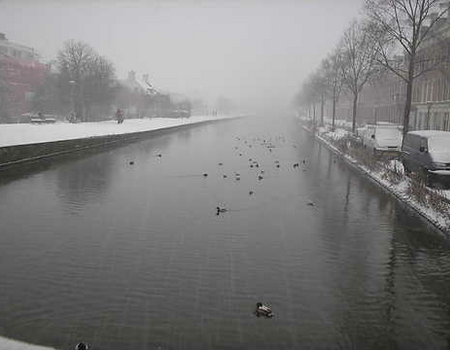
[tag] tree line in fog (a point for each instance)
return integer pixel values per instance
(83, 83)
(399, 38)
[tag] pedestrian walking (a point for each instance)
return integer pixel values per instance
(119, 116)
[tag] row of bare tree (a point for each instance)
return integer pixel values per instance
(83, 82)
(370, 48)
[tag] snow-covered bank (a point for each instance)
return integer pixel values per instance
(9, 344)
(22, 134)
(391, 177)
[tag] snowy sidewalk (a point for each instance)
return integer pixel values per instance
(8, 344)
(22, 134)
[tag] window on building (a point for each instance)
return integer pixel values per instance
(429, 90)
(446, 122)
(3, 49)
(29, 95)
(437, 90)
(444, 89)
(424, 91)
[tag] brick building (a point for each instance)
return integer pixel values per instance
(20, 74)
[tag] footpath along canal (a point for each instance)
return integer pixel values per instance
(123, 248)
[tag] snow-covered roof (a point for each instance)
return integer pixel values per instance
(135, 83)
(429, 133)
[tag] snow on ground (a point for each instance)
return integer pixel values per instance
(337, 134)
(21, 134)
(8, 344)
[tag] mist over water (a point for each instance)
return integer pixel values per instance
(257, 53)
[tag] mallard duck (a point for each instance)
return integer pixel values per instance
(220, 210)
(81, 346)
(263, 310)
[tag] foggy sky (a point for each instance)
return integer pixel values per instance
(254, 52)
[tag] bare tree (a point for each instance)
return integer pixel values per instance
(75, 63)
(99, 87)
(317, 91)
(332, 72)
(86, 80)
(358, 61)
(405, 25)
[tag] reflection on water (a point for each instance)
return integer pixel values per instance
(79, 184)
(145, 263)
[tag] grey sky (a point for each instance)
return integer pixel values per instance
(255, 52)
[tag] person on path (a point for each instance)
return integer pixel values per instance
(119, 116)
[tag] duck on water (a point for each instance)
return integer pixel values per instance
(263, 310)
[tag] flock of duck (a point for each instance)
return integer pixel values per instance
(270, 146)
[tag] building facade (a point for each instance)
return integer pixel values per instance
(21, 73)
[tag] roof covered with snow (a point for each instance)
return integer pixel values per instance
(429, 133)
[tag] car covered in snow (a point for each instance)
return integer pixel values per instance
(382, 137)
(427, 152)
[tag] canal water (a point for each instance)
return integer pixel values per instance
(133, 256)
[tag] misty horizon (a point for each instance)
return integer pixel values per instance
(256, 54)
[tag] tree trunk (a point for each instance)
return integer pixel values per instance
(314, 114)
(334, 113)
(408, 99)
(322, 103)
(355, 104)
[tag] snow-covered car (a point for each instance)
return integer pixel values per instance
(427, 152)
(382, 137)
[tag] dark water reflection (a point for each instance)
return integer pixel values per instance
(134, 257)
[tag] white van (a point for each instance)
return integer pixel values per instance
(383, 137)
(427, 152)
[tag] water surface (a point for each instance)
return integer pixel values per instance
(134, 256)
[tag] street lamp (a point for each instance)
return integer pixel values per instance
(72, 84)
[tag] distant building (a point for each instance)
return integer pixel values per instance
(141, 100)
(20, 74)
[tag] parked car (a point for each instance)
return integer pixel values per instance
(427, 152)
(382, 138)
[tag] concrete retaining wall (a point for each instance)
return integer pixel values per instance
(14, 155)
